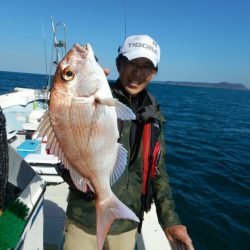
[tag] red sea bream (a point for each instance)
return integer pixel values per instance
(81, 126)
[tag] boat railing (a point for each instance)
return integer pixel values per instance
(59, 46)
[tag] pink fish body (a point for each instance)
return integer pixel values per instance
(81, 127)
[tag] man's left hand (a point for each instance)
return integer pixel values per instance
(178, 235)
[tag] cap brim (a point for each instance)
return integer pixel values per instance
(132, 55)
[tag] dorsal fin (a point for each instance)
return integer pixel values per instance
(45, 129)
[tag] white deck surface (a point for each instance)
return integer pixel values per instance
(55, 203)
(152, 236)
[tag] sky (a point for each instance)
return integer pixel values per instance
(200, 40)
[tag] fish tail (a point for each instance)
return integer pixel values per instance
(106, 212)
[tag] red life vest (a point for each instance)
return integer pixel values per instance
(151, 153)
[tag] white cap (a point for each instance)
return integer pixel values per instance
(141, 46)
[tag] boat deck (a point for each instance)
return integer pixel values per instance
(55, 203)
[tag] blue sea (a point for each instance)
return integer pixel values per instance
(207, 132)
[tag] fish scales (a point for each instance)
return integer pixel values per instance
(94, 144)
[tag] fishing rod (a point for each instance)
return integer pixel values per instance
(45, 51)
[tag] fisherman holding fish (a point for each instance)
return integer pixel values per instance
(111, 147)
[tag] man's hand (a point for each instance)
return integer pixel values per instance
(177, 235)
(106, 71)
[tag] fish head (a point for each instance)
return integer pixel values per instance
(78, 74)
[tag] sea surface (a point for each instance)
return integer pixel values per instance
(207, 132)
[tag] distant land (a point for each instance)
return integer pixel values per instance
(222, 85)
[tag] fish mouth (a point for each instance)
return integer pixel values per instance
(85, 46)
(83, 49)
(86, 50)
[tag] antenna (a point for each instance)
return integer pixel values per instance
(125, 19)
(58, 46)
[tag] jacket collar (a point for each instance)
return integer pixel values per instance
(147, 107)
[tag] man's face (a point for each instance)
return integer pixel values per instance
(136, 74)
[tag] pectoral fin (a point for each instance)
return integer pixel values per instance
(123, 112)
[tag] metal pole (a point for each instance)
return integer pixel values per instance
(125, 19)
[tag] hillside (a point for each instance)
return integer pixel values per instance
(224, 85)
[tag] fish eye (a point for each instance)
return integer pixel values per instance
(68, 73)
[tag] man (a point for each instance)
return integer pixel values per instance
(145, 178)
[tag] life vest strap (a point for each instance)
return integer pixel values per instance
(155, 158)
(145, 154)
